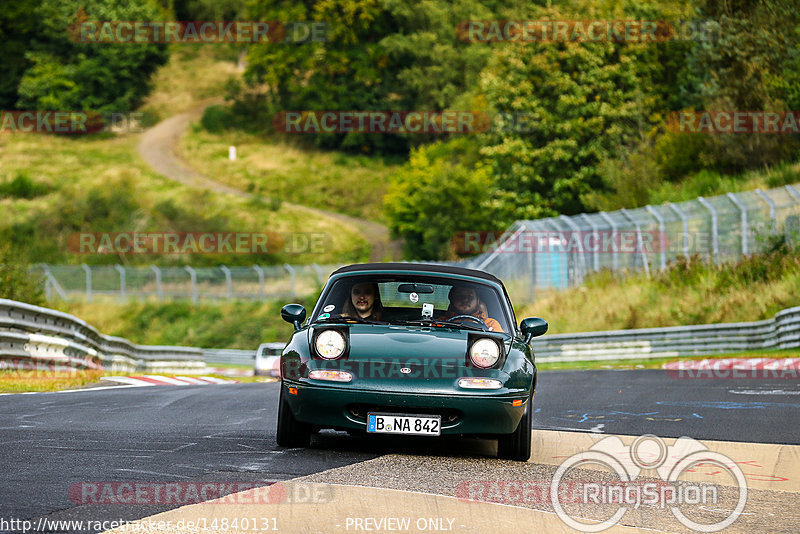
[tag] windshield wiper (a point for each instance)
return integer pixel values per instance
(341, 319)
(432, 322)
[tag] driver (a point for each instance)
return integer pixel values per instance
(464, 301)
(364, 302)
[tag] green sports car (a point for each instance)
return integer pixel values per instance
(410, 349)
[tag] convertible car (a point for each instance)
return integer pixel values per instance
(410, 349)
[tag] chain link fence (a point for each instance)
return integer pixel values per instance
(192, 283)
(544, 254)
(559, 252)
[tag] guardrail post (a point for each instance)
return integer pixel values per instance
(793, 192)
(51, 282)
(743, 211)
(595, 255)
(193, 277)
(661, 235)
(228, 281)
(614, 235)
(292, 274)
(639, 244)
(714, 228)
(261, 293)
(497, 247)
(318, 270)
(88, 272)
(122, 290)
(685, 221)
(796, 196)
(582, 270)
(159, 290)
(771, 204)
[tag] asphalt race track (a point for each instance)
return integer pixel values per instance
(53, 443)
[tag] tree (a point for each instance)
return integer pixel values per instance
(439, 194)
(63, 73)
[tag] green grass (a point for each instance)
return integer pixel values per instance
(21, 381)
(710, 183)
(44, 381)
(193, 74)
(349, 184)
(98, 183)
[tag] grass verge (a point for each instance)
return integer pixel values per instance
(98, 183)
(45, 381)
(349, 184)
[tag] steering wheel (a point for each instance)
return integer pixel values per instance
(480, 322)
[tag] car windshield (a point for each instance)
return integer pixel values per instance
(411, 299)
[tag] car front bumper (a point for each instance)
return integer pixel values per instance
(478, 412)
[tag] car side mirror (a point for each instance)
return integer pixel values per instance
(294, 314)
(533, 327)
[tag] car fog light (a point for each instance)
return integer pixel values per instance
(479, 383)
(333, 376)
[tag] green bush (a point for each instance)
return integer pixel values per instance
(22, 187)
(17, 282)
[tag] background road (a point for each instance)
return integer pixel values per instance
(226, 433)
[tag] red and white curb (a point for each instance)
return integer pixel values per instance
(155, 380)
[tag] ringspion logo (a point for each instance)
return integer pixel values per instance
(621, 490)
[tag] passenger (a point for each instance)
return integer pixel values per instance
(364, 302)
(464, 301)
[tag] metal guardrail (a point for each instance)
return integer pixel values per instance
(242, 357)
(37, 337)
(230, 356)
(40, 336)
(781, 332)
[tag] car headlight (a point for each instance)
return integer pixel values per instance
(484, 353)
(330, 344)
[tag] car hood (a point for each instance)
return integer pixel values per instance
(411, 344)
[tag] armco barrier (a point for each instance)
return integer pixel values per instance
(40, 337)
(781, 332)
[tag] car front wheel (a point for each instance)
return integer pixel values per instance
(517, 445)
(291, 432)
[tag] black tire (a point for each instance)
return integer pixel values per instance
(517, 445)
(291, 432)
